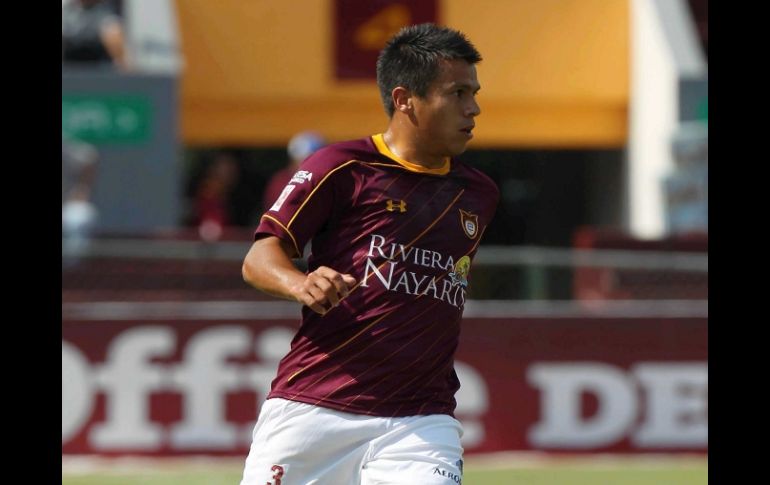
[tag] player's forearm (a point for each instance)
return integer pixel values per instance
(268, 268)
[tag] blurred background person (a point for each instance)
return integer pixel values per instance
(92, 33)
(79, 215)
(301, 146)
(212, 201)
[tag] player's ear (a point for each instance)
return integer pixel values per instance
(402, 99)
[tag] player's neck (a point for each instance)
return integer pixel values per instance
(404, 144)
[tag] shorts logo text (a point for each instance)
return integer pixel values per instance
(452, 476)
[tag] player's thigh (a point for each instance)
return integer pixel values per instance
(294, 443)
(428, 452)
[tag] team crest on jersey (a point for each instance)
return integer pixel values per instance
(470, 223)
(460, 274)
(301, 176)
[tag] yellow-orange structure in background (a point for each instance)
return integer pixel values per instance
(555, 73)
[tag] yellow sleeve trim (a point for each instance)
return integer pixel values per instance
(379, 142)
(299, 253)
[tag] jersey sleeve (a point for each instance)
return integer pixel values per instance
(307, 201)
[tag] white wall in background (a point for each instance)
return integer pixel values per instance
(664, 48)
(152, 35)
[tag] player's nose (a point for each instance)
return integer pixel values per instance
(473, 108)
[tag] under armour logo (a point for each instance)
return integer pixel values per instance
(393, 206)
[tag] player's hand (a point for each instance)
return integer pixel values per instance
(323, 289)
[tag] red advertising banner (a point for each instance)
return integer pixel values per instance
(194, 386)
(362, 28)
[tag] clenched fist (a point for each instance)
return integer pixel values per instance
(323, 289)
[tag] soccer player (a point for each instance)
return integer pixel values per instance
(366, 393)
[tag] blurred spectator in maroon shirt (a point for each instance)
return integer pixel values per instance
(301, 146)
(212, 198)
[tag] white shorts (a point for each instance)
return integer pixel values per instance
(299, 444)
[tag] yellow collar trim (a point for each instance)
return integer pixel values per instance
(379, 142)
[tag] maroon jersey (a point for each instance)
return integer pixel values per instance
(408, 234)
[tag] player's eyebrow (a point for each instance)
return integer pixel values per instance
(461, 85)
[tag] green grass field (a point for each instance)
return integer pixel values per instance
(583, 472)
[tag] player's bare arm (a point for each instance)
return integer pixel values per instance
(268, 267)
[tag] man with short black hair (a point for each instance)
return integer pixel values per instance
(366, 393)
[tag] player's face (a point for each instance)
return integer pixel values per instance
(445, 116)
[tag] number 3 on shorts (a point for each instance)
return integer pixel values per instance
(277, 474)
